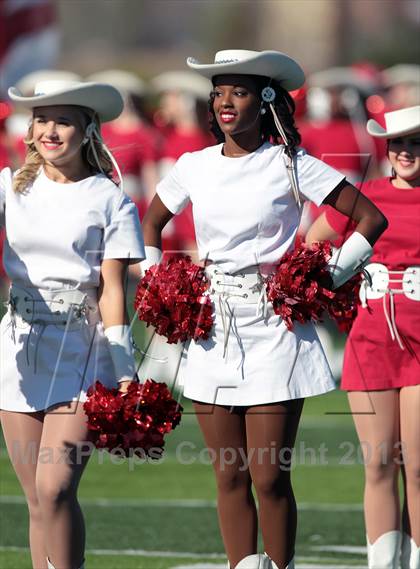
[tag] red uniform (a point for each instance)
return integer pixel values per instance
(373, 360)
(131, 148)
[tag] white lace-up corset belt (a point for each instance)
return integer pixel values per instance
(387, 283)
(69, 309)
(246, 287)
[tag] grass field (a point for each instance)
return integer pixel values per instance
(161, 515)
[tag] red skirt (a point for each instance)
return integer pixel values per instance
(372, 359)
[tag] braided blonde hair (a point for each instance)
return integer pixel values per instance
(26, 175)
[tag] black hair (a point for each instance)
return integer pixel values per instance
(284, 106)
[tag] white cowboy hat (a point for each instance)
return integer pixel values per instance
(273, 64)
(341, 77)
(104, 99)
(122, 80)
(402, 73)
(398, 123)
(184, 81)
(26, 84)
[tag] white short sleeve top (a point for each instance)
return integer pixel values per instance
(244, 210)
(58, 234)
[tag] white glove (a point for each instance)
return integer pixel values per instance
(121, 350)
(153, 257)
(350, 259)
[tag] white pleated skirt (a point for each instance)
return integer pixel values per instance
(43, 366)
(263, 361)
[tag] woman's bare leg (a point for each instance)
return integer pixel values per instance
(376, 416)
(225, 437)
(271, 432)
(410, 441)
(65, 435)
(22, 432)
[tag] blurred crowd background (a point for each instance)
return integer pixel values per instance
(360, 56)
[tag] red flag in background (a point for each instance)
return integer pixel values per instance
(29, 39)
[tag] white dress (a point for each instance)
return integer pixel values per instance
(56, 238)
(245, 215)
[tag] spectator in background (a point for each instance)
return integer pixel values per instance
(402, 83)
(182, 117)
(131, 137)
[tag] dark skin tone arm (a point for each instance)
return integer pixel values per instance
(157, 216)
(347, 199)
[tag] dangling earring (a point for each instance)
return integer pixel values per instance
(263, 111)
(393, 173)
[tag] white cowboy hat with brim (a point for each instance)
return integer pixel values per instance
(272, 64)
(182, 81)
(105, 100)
(26, 84)
(401, 73)
(398, 123)
(124, 81)
(341, 77)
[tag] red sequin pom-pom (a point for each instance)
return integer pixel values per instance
(171, 297)
(297, 288)
(135, 421)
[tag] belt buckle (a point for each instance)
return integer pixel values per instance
(411, 283)
(379, 278)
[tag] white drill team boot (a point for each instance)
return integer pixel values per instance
(256, 561)
(51, 566)
(410, 553)
(384, 553)
(273, 565)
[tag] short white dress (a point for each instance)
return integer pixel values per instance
(56, 238)
(245, 216)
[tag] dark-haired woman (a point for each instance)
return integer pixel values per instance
(249, 380)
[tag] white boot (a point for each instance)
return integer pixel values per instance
(257, 561)
(51, 566)
(410, 553)
(385, 552)
(275, 566)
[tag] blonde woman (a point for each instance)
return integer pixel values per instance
(70, 234)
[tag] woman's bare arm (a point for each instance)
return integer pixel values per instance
(157, 216)
(320, 230)
(111, 296)
(347, 199)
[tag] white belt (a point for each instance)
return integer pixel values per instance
(383, 285)
(241, 288)
(68, 308)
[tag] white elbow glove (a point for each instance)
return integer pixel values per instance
(350, 259)
(121, 350)
(153, 257)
